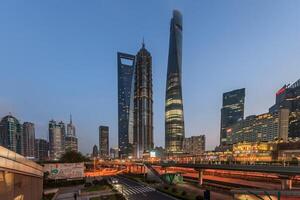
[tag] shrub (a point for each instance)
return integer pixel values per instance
(166, 187)
(183, 193)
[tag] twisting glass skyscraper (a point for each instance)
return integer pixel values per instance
(174, 120)
(143, 109)
(126, 63)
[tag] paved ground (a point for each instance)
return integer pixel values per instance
(136, 191)
(67, 193)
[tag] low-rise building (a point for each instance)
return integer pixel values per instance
(194, 145)
(260, 128)
(254, 151)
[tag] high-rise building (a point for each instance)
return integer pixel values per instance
(71, 141)
(95, 151)
(232, 111)
(28, 139)
(143, 104)
(260, 128)
(11, 134)
(194, 145)
(174, 119)
(104, 141)
(41, 149)
(289, 97)
(126, 64)
(56, 139)
(71, 130)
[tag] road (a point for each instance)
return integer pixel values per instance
(133, 190)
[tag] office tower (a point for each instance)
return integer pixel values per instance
(174, 119)
(126, 65)
(232, 111)
(71, 141)
(289, 97)
(41, 150)
(104, 141)
(194, 145)
(63, 131)
(28, 139)
(11, 134)
(56, 139)
(95, 151)
(143, 109)
(260, 128)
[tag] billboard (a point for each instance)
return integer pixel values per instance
(64, 170)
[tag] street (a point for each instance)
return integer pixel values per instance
(133, 190)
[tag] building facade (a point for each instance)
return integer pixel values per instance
(143, 104)
(41, 150)
(254, 151)
(194, 145)
(174, 118)
(260, 128)
(232, 111)
(71, 141)
(11, 134)
(289, 97)
(28, 139)
(104, 141)
(126, 65)
(56, 139)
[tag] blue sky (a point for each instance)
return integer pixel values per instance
(59, 57)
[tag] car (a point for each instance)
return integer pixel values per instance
(114, 181)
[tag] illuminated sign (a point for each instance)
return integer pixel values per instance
(64, 170)
(282, 90)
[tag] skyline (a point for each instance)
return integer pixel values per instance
(267, 58)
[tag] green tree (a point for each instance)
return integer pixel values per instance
(73, 157)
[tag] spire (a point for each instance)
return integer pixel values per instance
(143, 43)
(70, 118)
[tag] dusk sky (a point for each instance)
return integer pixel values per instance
(60, 57)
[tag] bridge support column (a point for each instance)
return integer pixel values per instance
(200, 176)
(286, 184)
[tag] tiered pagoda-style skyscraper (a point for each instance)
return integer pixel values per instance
(143, 103)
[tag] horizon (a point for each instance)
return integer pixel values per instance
(61, 60)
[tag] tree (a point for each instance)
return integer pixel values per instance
(73, 157)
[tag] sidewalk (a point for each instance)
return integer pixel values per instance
(189, 188)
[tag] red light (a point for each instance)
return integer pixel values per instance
(282, 90)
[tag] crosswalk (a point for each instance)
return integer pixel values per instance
(134, 190)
